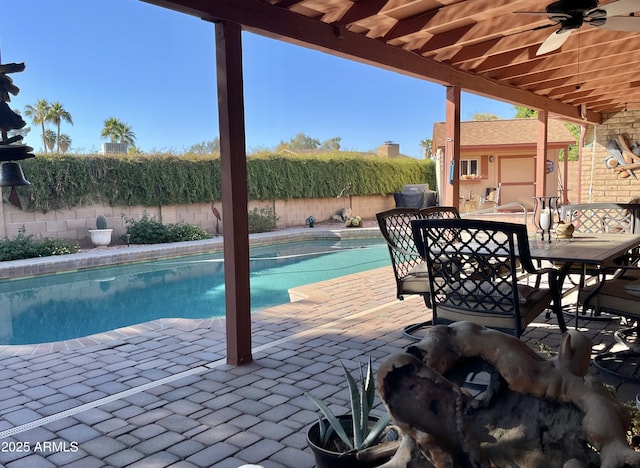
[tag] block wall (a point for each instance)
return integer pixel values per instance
(598, 183)
(73, 224)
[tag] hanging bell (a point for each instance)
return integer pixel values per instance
(11, 175)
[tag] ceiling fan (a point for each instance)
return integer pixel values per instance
(570, 15)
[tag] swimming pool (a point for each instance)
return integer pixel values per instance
(71, 305)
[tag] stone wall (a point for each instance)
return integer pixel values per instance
(73, 224)
(600, 184)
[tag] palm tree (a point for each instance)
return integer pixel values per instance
(50, 138)
(126, 135)
(109, 129)
(57, 113)
(38, 115)
(64, 142)
(118, 131)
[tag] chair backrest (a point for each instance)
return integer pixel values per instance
(603, 217)
(473, 268)
(395, 226)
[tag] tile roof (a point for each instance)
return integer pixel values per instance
(503, 132)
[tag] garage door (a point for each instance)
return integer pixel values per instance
(517, 174)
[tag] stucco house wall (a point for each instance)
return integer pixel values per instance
(506, 152)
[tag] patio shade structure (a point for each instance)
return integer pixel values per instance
(486, 47)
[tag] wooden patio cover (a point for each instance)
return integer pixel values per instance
(478, 46)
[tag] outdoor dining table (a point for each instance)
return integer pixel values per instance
(593, 249)
(583, 250)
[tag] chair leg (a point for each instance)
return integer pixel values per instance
(557, 309)
(409, 330)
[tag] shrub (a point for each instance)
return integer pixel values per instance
(24, 246)
(262, 219)
(59, 181)
(187, 232)
(149, 230)
(51, 246)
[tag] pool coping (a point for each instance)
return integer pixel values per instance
(102, 257)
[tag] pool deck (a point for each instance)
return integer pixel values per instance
(161, 394)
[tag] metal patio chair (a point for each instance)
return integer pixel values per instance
(612, 218)
(617, 293)
(409, 269)
(474, 270)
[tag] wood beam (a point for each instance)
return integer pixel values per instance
(260, 17)
(233, 172)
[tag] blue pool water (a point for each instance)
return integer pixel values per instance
(71, 305)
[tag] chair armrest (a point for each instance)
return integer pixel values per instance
(405, 252)
(544, 271)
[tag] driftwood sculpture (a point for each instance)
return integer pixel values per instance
(531, 412)
(622, 159)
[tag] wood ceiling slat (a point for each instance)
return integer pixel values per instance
(617, 101)
(285, 3)
(361, 10)
(594, 65)
(478, 32)
(406, 28)
(565, 92)
(588, 40)
(550, 86)
(446, 39)
(496, 47)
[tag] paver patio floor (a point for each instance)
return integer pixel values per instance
(161, 394)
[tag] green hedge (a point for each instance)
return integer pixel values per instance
(66, 181)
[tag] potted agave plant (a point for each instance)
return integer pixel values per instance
(101, 236)
(352, 440)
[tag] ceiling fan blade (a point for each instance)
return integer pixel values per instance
(554, 41)
(620, 7)
(555, 17)
(540, 13)
(622, 23)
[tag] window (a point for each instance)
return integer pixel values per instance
(469, 168)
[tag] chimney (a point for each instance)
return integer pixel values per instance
(389, 149)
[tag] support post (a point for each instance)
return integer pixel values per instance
(541, 154)
(451, 169)
(233, 172)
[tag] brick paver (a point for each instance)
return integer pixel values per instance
(219, 416)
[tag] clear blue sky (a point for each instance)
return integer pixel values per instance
(155, 70)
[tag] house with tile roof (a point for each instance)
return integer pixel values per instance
(498, 157)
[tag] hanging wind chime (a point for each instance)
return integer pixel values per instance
(11, 150)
